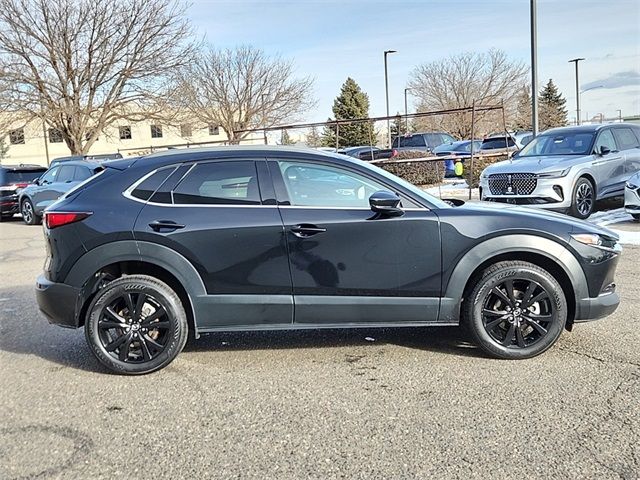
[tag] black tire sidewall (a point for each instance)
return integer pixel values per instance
(486, 283)
(161, 293)
(34, 217)
(573, 210)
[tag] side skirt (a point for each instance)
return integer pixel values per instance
(321, 326)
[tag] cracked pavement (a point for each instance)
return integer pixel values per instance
(412, 403)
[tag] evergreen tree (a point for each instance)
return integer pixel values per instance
(286, 139)
(552, 107)
(350, 104)
(523, 112)
(313, 138)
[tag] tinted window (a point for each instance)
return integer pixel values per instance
(219, 183)
(325, 186)
(491, 143)
(66, 174)
(151, 184)
(446, 138)
(50, 175)
(20, 176)
(605, 139)
(626, 138)
(163, 194)
(82, 173)
(411, 141)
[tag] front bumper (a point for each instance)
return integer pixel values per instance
(8, 205)
(549, 193)
(59, 302)
(594, 308)
(632, 201)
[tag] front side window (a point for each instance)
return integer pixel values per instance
(156, 131)
(222, 183)
(312, 185)
(67, 172)
(605, 139)
(16, 137)
(49, 176)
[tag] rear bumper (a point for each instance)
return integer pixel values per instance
(59, 302)
(8, 206)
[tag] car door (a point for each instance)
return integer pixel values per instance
(609, 168)
(224, 220)
(629, 145)
(45, 193)
(349, 265)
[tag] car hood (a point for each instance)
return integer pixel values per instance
(532, 216)
(534, 164)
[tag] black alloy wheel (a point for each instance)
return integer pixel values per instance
(136, 324)
(28, 212)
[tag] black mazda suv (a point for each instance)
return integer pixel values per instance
(256, 238)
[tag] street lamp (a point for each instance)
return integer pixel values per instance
(534, 67)
(619, 115)
(576, 61)
(386, 89)
(406, 112)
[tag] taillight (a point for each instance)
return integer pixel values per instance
(394, 153)
(58, 219)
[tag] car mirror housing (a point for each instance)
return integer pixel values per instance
(386, 203)
(604, 150)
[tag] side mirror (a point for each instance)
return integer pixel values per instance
(516, 154)
(36, 181)
(386, 203)
(604, 150)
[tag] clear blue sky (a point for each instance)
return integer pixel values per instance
(331, 40)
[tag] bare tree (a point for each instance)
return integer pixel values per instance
(241, 88)
(83, 65)
(458, 80)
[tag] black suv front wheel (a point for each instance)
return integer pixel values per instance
(515, 310)
(136, 324)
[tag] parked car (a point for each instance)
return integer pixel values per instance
(632, 196)
(513, 141)
(259, 238)
(13, 178)
(567, 169)
(421, 141)
(356, 151)
(55, 182)
(101, 157)
(460, 149)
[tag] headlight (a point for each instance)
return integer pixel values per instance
(598, 241)
(632, 186)
(483, 175)
(554, 174)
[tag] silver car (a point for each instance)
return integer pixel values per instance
(567, 169)
(632, 196)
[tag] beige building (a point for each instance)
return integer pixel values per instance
(31, 144)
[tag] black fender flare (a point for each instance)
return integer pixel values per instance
(131, 250)
(520, 243)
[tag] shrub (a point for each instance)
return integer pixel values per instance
(418, 173)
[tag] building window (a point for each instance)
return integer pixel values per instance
(16, 137)
(156, 131)
(55, 135)
(125, 132)
(214, 130)
(185, 130)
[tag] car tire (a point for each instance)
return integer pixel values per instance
(28, 212)
(136, 325)
(515, 310)
(583, 199)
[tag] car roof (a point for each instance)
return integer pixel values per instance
(80, 163)
(23, 166)
(579, 128)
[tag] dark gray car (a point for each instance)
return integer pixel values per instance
(54, 183)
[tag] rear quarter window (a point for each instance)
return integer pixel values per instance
(149, 185)
(625, 138)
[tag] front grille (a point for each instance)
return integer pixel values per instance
(512, 183)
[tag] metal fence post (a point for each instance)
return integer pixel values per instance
(473, 130)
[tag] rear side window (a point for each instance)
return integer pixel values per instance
(82, 173)
(491, 143)
(625, 138)
(146, 188)
(223, 183)
(410, 141)
(66, 173)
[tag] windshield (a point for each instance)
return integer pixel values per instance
(409, 141)
(569, 143)
(22, 176)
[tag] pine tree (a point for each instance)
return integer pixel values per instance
(350, 104)
(286, 139)
(523, 112)
(552, 107)
(313, 138)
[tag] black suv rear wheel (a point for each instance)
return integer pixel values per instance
(516, 310)
(136, 324)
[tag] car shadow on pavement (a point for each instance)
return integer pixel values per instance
(24, 330)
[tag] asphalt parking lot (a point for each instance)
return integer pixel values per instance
(411, 403)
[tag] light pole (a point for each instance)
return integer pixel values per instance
(534, 68)
(406, 112)
(619, 115)
(386, 89)
(576, 61)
